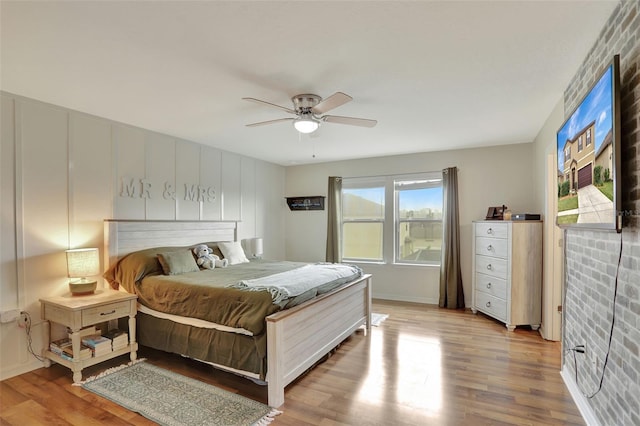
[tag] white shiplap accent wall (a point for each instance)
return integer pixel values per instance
(89, 138)
(210, 175)
(129, 145)
(230, 191)
(160, 161)
(62, 175)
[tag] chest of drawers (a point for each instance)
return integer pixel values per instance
(507, 271)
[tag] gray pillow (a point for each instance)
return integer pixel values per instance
(178, 262)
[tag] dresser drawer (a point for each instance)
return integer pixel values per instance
(495, 247)
(108, 312)
(491, 285)
(491, 266)
(495, 230)
(491, 305)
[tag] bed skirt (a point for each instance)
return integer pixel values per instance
(231, 350)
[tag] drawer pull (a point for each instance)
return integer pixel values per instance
(107, 313)
(489, 231)
(489, 247)
(488, 285)
(488, 304)
(489, 267)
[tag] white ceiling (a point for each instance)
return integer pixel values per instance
(436, 75)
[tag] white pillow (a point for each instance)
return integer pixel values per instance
(233, 252)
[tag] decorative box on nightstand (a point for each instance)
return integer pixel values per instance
(79, 312)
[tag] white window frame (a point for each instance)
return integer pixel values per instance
(417, 181)
(391, 221)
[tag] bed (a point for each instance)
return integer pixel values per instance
(288, 339)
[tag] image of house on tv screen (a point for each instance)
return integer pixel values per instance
(585, 159)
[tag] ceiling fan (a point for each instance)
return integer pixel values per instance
(309, 108)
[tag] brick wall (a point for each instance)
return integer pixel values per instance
(592, 256)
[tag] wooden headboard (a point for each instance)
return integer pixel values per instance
(125, 236)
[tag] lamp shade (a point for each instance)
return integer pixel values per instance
(255, 247)
(82, 263)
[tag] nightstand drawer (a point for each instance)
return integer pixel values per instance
(491, 266)
(495, 247)
(491, 305)
(57, 314)
(108, 312)
(495, 230)
(491, 285)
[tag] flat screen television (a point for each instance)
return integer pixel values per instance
(588, 145)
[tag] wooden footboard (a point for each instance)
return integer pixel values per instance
(298, 337)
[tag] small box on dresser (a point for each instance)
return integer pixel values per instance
(507, 271)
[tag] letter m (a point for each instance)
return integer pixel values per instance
(190, 192)
(128, 188)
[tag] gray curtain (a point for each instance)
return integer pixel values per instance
(451, 293)
(334, 210)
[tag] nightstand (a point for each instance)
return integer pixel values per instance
(78, 312)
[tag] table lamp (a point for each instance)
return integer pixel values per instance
(255, 247)
(82, 263)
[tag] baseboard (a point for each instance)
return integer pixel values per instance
(20, 369)
(581, 401)
(393, 297)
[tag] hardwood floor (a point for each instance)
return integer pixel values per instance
(422, 366)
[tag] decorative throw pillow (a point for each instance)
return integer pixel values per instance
(178, 262)
(233, 252)
(135, 266)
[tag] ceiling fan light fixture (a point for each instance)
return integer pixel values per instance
(306, 124)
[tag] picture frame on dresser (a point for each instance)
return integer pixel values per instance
(507, 271)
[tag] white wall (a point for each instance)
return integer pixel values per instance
(62, 175)
(486, 177)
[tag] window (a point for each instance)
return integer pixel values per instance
(418, 212)
(588, 137)
(392, 218)
(580, 143)
(363, 205)
(567, 153)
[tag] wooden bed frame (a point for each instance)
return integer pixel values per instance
(296, 338)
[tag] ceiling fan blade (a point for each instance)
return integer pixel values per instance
(331, 102)
(352, 121)
(263, 123)
(258, 101)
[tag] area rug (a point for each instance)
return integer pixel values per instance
(377, 319)
(170, 399)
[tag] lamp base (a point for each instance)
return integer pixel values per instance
(80, 288)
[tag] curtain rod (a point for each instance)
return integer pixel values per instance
(394, 174)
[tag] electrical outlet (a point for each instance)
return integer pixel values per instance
(594, 363)
(22, 320)
(9, 315)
